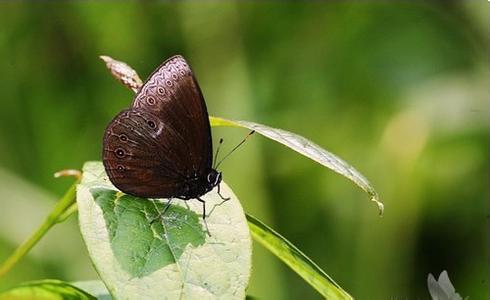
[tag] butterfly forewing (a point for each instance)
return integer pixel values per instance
(172, 93)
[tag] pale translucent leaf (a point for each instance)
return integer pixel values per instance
(442, 289)
(172, 258)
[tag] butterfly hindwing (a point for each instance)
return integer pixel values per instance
(141, 155)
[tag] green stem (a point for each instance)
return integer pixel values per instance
(54, 217)
(73, 208)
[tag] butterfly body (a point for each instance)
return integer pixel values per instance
(161, 147)
(198, 186)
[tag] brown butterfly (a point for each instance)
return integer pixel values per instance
(161, 147)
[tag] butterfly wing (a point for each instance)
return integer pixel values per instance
(173, 94)
(142, 155)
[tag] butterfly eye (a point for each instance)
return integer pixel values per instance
(212, 177)
(120, 168)
(161, 90)
(120, 153)
(168, 82)
(151, 124)
(174, 76)
(150, 100)
(123, 138)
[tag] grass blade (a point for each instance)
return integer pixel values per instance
(308, 149)
(296, 260)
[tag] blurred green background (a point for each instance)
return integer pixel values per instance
(399, 90)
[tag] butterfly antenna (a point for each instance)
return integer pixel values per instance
(236, 147)
(217, 151)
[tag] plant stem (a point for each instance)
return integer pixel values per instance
(68, 212)
(54, 217)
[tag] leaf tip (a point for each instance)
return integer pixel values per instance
(381, 206)
(105, 58)
(123, 72)
(69, 172)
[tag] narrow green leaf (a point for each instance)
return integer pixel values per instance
(296, 260)
(48, 289)
(172, 257)
(310, 150)
(95, 287)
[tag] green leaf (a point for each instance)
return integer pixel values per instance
(98, 289)
(310, 150)
(296, 260)
(48, 289)
(95, 288)
(172, 257)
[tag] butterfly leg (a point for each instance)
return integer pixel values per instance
(221, 203)
(224, 198)
(203, 207)
(204, 214)
(167, 206)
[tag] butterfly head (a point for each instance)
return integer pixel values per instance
(214, 178)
